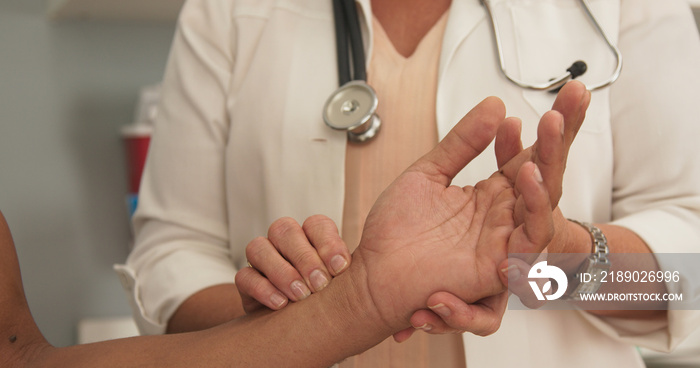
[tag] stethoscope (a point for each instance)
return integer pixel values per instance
(576, 69)
(353, 106)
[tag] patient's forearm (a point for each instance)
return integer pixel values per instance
(207, 308)
(317, 332)
(328, 326)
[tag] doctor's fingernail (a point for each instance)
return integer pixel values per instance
(338, 263)
(426, 327)
(300, 290)
(538, 175)
(318, 279)
(441, 310)
(277, 300)
(512, 272)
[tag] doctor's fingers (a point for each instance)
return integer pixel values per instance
(257, 291)
(264, 258)
(514, 273)
(323, 234)
(449, 314)
(469, 137)
(291, 241)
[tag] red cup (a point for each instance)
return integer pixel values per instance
(136, 140)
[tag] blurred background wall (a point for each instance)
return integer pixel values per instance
(66, 88)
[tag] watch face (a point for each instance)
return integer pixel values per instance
(589, 277)
(593, 276)
(588, 288)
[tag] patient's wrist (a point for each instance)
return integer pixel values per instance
(351, 294)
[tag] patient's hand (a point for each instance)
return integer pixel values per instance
(424, 236)
(556, 132)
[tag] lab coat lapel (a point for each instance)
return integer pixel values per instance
(318, 151)
(464, 16)
(305, 164)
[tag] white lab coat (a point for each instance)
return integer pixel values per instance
(240, 142)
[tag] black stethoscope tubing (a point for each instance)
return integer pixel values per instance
(347, 26)
(352, 107)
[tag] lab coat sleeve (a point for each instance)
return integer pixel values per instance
(655, 126)
(181, 232)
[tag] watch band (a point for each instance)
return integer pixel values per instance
(596, 264)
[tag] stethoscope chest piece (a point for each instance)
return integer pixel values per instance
(352, 108)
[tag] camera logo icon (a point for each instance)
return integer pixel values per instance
(542, 270)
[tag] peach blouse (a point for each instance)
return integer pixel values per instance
(406, 88)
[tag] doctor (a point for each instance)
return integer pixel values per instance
(240, 142)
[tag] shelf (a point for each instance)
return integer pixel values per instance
(163, 11)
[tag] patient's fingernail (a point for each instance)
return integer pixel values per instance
(561, 127)
(338, 263)
(278, 300)
(512, 272)
(441, 309)
(426, 327)
(318, 279)
(300, 290)
(538, 175)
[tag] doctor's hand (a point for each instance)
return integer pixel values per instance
(291, 263)
(555, 134)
